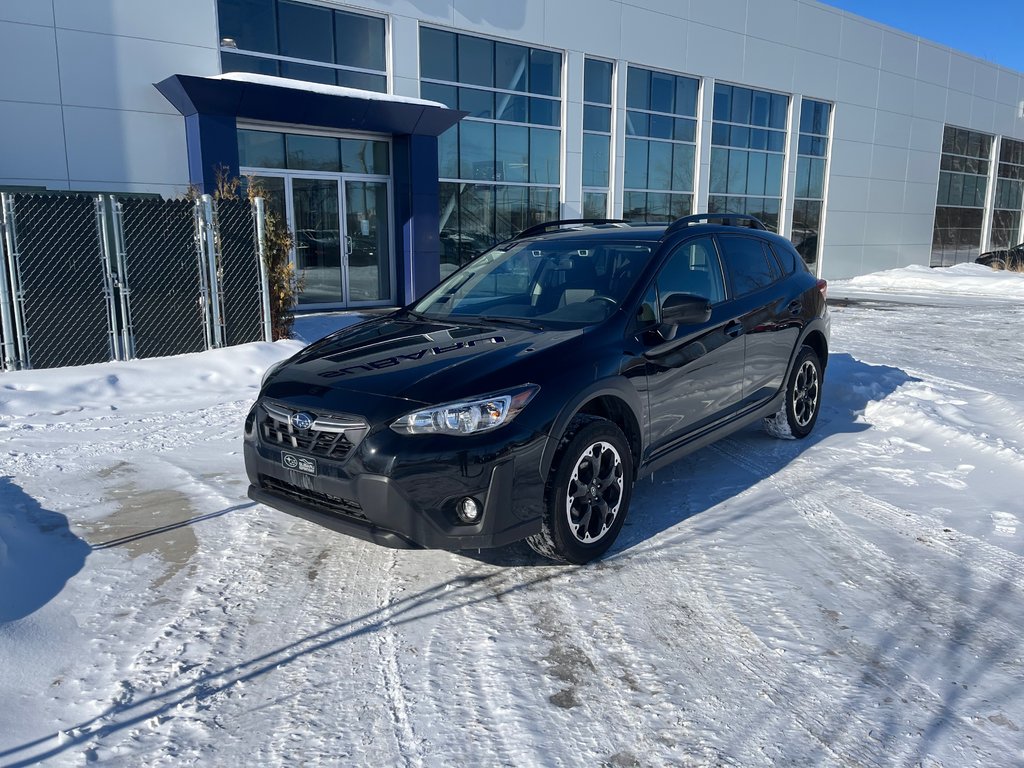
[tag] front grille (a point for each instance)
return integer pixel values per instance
(323, 501)
(331, 436)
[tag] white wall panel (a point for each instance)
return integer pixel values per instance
(958, 108)
(598, 31)
(886, 196)
(190, 22)
(28, 61)
(851, 158)
(715, 52)
(892, 129)
(848, 193)
(930, 101)
(923, 167)
(919, 199)
(899, 53)
(501, 17)
(880, 256)
(932, 64)
(854, 123)
(724, 14)
(985, 80)
(816, 75)
(961, 73)
(27, 11)
(839, 261)
(857, 84)
(983, 115)
(888, 163)
(818, 28)
(768, 65)
(655, 39)
(106, 145)
(861, 42)
(119, 72)
(772, 20)
(36, 134)
(895, 92)
(405, 52)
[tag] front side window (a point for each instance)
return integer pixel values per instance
(560, 284)
(694, 269)
(303, 41)
(749, 263)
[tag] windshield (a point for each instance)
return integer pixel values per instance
(561, 283)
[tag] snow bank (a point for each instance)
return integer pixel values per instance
(960, 280)
(192, 378)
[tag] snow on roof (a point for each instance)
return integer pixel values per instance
(327, 90)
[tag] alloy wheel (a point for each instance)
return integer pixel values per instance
(594, 494)
(806, 390)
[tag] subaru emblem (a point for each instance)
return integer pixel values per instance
(302, 421)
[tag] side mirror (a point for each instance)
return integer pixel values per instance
(685, 309)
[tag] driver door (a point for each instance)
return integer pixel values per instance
(694, 373)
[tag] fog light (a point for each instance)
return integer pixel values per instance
(468, 509)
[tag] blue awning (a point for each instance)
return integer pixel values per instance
(280, 100)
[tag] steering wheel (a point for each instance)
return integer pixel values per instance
(608, 299)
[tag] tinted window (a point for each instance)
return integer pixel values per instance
(360, 40)
(692, 268)
(749, 266)
(250, 23)
(305, 31)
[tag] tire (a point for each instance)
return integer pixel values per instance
(799, 412)
(584, 510)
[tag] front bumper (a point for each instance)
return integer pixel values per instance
(401, 490)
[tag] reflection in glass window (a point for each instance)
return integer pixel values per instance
(659, 163)
(809, 197)
(500, 167)
(748, 263)
(960, 204)
(748, 145)
(292, 151)
(337, 47)
(1006, 214)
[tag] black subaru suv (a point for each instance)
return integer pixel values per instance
(524, 396)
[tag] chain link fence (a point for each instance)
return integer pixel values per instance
(87, 279)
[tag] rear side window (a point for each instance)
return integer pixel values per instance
(749, 264)
(692, 268)
(788, 258)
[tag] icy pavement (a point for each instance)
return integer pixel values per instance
(853, 599)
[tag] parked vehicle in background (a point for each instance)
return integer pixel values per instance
(1004, 258)
(524, 396)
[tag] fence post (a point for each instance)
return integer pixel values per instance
(109, 278)
(261, 248)
(208, 246)
(15, 353)
(125, 292)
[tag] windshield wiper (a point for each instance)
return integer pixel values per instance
(522, 322)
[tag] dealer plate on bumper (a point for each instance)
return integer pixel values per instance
(302, 464)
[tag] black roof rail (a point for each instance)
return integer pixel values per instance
(726, 219)
(540, 229)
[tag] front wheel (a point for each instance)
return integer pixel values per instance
(588, 493)
(799, 412)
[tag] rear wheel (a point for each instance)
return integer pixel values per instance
(799, 411)
(588, 493)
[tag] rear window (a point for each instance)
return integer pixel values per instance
(788, 258)
(749, 264)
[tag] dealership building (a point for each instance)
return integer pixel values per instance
(401, 137)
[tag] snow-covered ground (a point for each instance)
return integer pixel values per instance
(853, 599)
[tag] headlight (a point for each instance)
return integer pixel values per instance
(271, 371)
(468, 417)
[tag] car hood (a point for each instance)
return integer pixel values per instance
(413, 361)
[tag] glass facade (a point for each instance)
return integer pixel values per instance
(748, 153)
(661, 145)
(1006, 214)
(303, 41)
(960, 207)
(500, 168)
(809, 194)
(597, 137)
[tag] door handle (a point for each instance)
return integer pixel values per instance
(734, 329)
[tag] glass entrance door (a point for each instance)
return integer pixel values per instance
(341, 228)
(367, 245)
(316, 228)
